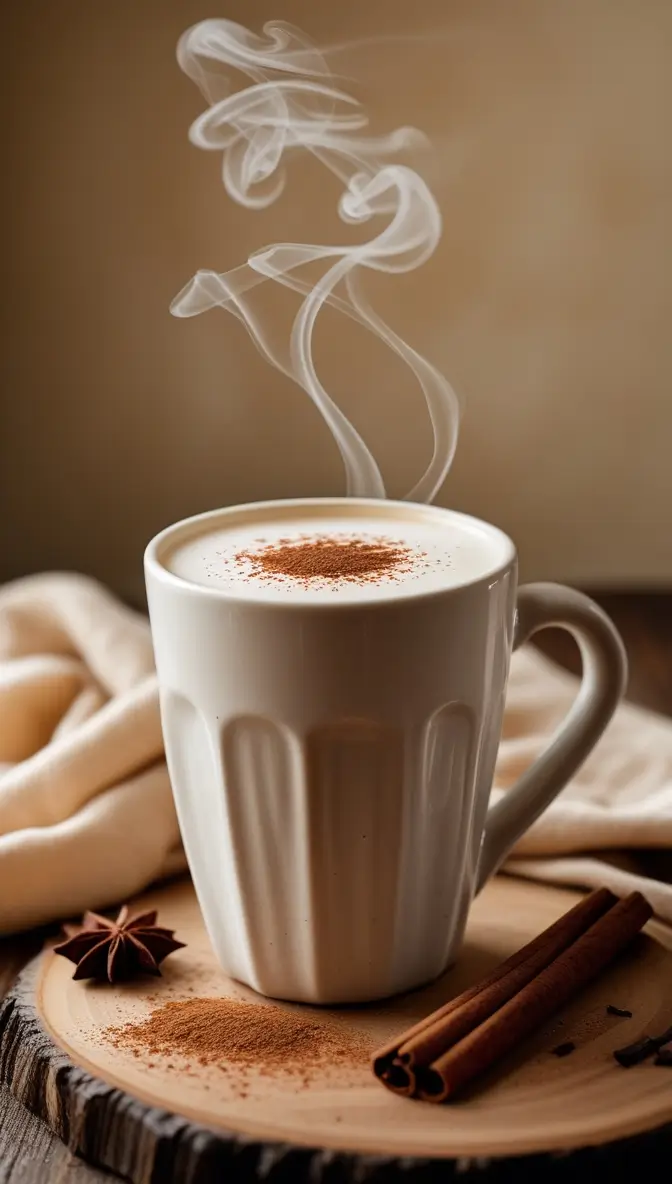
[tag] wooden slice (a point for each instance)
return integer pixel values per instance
(167, 1118)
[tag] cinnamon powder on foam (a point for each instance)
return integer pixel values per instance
(324, 558)
(211, 1031)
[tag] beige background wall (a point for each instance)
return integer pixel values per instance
(549, 303)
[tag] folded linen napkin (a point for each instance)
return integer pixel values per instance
(86, 813)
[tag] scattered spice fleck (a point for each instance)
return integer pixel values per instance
(563, 1050)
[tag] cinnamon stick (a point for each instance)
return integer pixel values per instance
(396, 1063)
(573, 969)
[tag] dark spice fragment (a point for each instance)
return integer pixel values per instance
(665, 1055)
(620, 1011)
(641, 1050)
(563, 1050)
(634, 1054)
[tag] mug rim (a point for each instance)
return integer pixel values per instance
(203, 522)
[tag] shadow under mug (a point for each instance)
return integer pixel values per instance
(331, 763)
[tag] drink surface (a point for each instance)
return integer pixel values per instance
(322, 556)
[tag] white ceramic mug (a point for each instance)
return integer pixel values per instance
(332, 762)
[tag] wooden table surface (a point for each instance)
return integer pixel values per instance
(30, 1154)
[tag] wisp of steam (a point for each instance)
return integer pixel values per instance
(293, 103)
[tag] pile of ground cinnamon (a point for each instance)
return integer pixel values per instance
(325, 557)
(244, 1034)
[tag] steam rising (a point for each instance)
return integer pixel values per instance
(293, 103)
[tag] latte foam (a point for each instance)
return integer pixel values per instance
(320, 555)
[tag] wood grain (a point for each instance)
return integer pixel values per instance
(32, 1155)
(163, 1119)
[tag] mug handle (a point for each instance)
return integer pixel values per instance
(542, 606)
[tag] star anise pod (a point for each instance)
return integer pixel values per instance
(115, 951)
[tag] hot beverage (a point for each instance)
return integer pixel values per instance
(332, 678)
(333, 672)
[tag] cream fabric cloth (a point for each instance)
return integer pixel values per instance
(86, 813)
